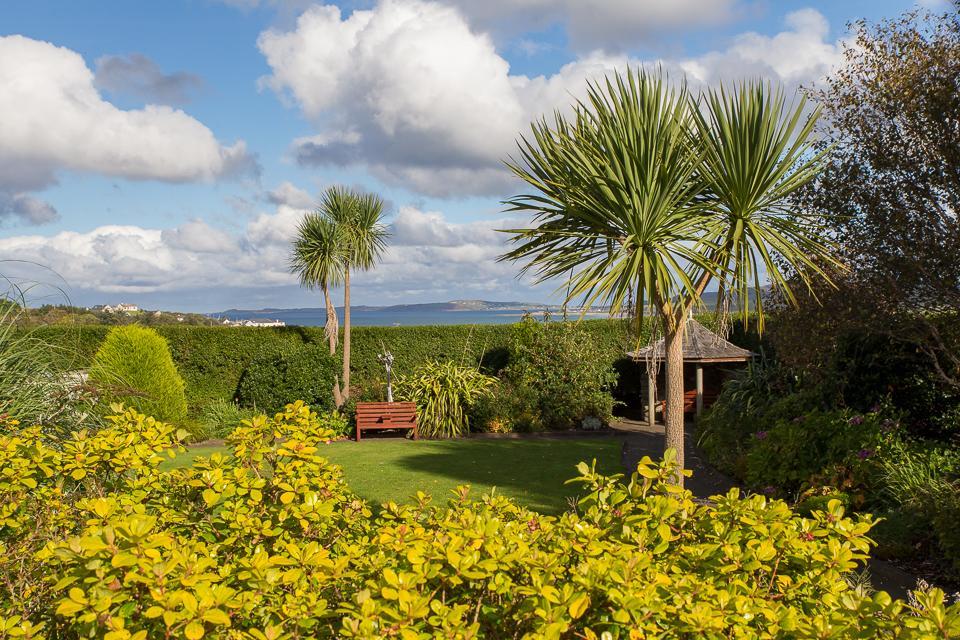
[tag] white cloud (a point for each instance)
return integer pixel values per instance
(801, 54)
(289, 194)
(55, 119)
(410, 91)
(427, 255)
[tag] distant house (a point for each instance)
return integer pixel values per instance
(254, 323)
(123, 307)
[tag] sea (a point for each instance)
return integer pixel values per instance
(377, 318)
(387, 318)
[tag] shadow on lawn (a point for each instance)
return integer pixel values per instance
(533, 471)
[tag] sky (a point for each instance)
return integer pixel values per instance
(162, 153)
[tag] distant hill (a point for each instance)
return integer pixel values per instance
(424, 312)
(424, 307)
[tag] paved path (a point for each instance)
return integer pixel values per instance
(642, 440)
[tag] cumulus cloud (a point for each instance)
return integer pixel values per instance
(138, 76)
(427, 254)
(410, 91)
(289, 194)
(54, 119)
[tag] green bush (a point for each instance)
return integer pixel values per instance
(133, 366)
(559, 373)
(269, 542)
(788, 454)
(276, 378)
(221, 417)
(444, 393)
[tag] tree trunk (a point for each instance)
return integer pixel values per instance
(332, 326)
(346, 334)
(673, 395)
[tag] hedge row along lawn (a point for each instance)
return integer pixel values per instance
(213, 359)
(532, 472)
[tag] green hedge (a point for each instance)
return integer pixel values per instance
(212, 359)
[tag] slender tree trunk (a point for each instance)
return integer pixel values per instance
(332, 327)
(346, 334)
(673, 395)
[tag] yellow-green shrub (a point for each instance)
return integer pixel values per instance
(134, 366)
(99, 541)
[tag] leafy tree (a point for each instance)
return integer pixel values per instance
(891, 189)
(653, 193)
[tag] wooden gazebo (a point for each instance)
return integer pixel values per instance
(707, 361)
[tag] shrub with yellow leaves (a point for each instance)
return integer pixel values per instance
(268, 543)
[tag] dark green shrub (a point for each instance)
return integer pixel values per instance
(276, 378)
(945, 518)
(559, 373)
(134, 366)
(789, 453)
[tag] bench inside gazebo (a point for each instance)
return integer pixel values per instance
(708, 360)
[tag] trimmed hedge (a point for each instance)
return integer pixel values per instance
(213, 359)
(272, 378)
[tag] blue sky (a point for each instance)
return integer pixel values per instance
(161, 152)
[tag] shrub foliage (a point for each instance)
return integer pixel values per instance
(97, 540)
(133, 366)
(275, 378)
(443, 393)
(557, 376)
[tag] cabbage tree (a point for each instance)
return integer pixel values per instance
(345, 234)
(648, 192)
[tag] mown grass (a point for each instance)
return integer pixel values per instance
(532, 471)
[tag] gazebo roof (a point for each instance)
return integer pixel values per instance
(699, 345)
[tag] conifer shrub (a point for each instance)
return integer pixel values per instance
(133, 366)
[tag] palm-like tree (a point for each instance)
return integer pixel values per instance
(317, 259)
(345, 233)
(362, 236)
(647, 190)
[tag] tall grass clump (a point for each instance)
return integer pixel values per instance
(443, 393)
(134, 366)
(34, 389)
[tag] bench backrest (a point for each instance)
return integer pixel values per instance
(378, 412)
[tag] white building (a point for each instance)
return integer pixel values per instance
(254, 323)
(123, 307)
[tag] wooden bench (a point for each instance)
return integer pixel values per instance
(386, 415)
(690, 401)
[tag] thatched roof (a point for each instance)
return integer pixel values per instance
(699, 345)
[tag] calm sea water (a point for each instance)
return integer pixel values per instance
(309, 318)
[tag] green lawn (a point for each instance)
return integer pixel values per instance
(531, 471)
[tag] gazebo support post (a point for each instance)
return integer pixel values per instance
(699, 388)
(651, 395)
